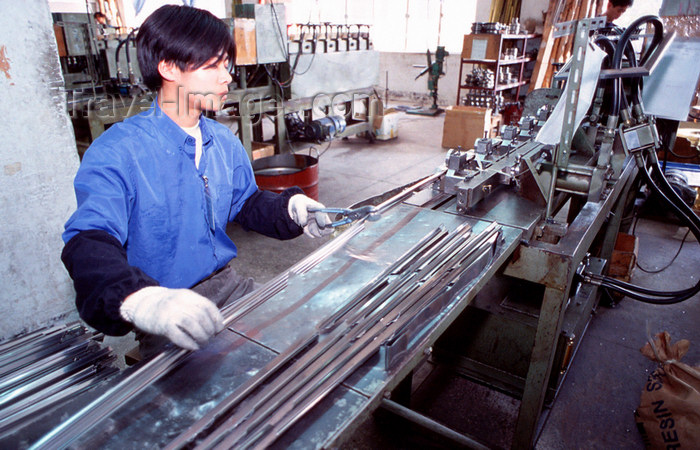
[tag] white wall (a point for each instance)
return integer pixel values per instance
(532, 14)
(411, 26)
(38, 160)
(72, 6)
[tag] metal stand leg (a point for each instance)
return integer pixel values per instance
(543, 351)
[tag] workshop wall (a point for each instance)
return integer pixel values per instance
(398, 67)
(38, 160)
(402, 83)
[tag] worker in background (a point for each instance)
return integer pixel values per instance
(103, 28)
(147, 246)
(615, 9)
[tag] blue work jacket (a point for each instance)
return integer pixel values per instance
(138, 182)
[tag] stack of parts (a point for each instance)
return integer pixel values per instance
(386, 312)
(43, 369)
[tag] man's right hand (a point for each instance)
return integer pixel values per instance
(183, 316)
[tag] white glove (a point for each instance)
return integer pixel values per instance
(314, 224)
(181, 315)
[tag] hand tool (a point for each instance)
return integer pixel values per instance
(349, 215)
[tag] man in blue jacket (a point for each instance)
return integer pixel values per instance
(147, 246)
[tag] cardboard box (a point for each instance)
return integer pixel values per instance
(261, 150)
(465, 124)
(386, 126)
(481, 46)
(624, 256)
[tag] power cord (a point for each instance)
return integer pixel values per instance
(634, 228)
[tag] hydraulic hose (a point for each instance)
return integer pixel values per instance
(643, 290)
(116, 58)
(122, 42)
(635, 93)
(647, 295)
(667, 189)
(627, 34)
(609, 48)
(624, 48)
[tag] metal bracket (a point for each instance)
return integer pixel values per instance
(566, 28)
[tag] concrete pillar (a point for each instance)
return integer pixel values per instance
(38, 160)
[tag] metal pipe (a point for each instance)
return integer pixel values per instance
(431, 425)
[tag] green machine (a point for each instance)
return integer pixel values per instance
(434, 71)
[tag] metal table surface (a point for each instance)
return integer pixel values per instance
(169, 406)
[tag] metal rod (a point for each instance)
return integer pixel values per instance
(431, 425)
(111, 400)
(380, 331)
(427, 241)
(301, 371)
(361, 341)
(243, 391)
(329, 325)
(401, 196)
(352, 357)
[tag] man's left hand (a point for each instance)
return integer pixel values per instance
(315, 224)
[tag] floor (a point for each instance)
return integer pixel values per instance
(595, 407)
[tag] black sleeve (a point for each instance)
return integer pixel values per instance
(266, 213)
(103, 278)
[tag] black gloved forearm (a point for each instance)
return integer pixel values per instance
(266, 213)
(103, 278)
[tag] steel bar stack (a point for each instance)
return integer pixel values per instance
(379, 314)
(43, 369)
(155, 369)
(165, 362)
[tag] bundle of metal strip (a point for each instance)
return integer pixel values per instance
(45, 368)
(297, 380)
(302, 344)
(163, 363)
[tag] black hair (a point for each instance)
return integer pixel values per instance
(186, 36)
(617, 3)
(98, 14)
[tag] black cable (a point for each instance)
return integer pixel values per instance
(125, 42)
(644, 298)
(627, 34)
(635, 92)
(643, 294)
(672, 196)
(672, 259)
(607, 45)
(692, 220)
(624, 40)
(116, 57)
(643, 290)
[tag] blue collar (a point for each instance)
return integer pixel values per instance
(173, 131)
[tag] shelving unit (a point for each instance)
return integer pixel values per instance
(475, 51)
